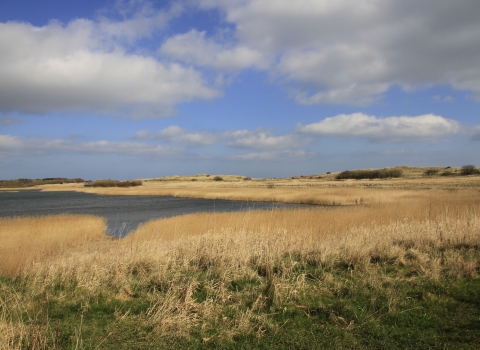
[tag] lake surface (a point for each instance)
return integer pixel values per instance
(123, 213)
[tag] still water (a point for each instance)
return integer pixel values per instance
(123, 213)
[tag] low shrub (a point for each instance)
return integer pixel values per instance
(369, 174)
(129, 183)
(431, 172)
(447, 173)
(469, 170)
(116, 183)
(218, 178)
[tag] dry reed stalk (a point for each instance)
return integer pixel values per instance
(29, 240)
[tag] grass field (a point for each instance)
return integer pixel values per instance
(398, 268)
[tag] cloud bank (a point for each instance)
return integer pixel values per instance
(391, 129)
(249, 139)
(17, 146)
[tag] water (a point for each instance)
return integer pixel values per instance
(123, 213)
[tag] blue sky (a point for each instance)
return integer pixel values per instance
(265, 88)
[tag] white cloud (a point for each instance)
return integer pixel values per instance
(175, 133)
(194, 48)
(256, 139)
(259, 139)
(439, 98)
(84, 67)
(15, 146)
(352, 51)
(273, 156)
(391, 129)
(140, 20)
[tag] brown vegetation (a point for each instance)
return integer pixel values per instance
(29, 240)
(115, 183)
(221, 273)
(24, 183)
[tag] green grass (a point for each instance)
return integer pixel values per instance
(376, 306)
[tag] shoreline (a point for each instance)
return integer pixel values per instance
(293, 191)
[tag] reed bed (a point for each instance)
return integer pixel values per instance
(29, 240)
(218, 278)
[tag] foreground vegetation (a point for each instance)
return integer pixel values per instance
(399, 271)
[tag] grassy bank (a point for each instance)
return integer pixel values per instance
(398, 273)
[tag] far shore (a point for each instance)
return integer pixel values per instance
(320, 189)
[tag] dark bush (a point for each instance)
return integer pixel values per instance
(468, 170)
(116, 183)
(369, 174)
(218, 178)
(129, 183)
(431, 172)
(105, 183)
(247, 178)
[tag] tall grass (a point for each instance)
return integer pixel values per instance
(29, 240)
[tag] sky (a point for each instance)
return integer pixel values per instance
(127, 89)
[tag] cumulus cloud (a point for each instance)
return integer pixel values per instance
(352, 51)
(15, 146)
(391, 129)
(84, 66)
